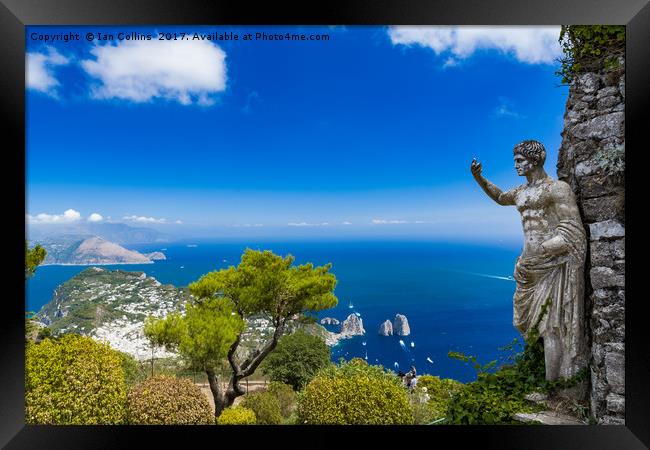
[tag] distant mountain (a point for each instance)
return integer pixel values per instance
(119, 233)
(91, 250)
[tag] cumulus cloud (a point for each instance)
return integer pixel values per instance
(40, 70)
(189, 72)
(144, 219)
(68, 216)
(95, 217)
(531, 45)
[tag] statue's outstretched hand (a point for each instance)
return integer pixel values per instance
(476, 168)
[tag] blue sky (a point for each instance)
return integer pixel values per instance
(368, 133)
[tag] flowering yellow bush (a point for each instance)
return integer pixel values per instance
(237, 415)
(73, 381)
(355, 394)
(163, 400)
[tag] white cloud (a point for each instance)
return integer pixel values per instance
(248, 225)
(179, 222)
(505, 109)
(346, 223)
(384, 221)
(395, 221)
(252, 97)
(143, 219)
(95, 217)
(39, 70)
(68, 216)
(531, 45)
(305, 224)
(184, 71)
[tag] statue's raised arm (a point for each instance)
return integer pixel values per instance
(496, 194)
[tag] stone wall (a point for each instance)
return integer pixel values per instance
(591, 160)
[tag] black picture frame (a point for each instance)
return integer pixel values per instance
(16, 14)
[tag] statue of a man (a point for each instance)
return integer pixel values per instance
(550, 270)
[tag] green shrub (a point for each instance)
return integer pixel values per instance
(495, 396)
(73, 380)
(286, 397)
(590, 48)
(296, 359)
(355, 394)
(265, 406)
(438, 391)
(163, 400)
(237, 415)
(134, 372)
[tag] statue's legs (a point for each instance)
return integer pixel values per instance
(552, 355)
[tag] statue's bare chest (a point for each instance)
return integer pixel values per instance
(534, 198)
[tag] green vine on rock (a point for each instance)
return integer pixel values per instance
(590, 48)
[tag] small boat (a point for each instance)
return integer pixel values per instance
(429, 359)
(412, 344)
(350, 305)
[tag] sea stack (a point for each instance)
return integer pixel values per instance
(401, 325)
(352, 326)
(329, 321)
(386, 328)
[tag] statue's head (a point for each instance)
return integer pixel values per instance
(528, 156)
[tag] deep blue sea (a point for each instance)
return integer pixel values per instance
(456, 296)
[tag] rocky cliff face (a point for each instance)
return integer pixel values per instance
(352, 326)
(592, 160)
(386, 328)
(401, 325)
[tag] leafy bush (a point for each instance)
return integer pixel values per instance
(74, 380)
(163, 400)
(590, 48)
(354, 393)
(237, 415)
(439, 393)
(265, 406)
(296, 359)
(134, 372)
(495, 396)
(286, 397)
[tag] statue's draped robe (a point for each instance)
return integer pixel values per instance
(560, 279)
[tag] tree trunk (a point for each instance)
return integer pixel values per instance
(217, 393)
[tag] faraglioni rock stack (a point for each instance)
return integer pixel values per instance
(386, 328)
(329, 321)
(352, 326)
(401, 325)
